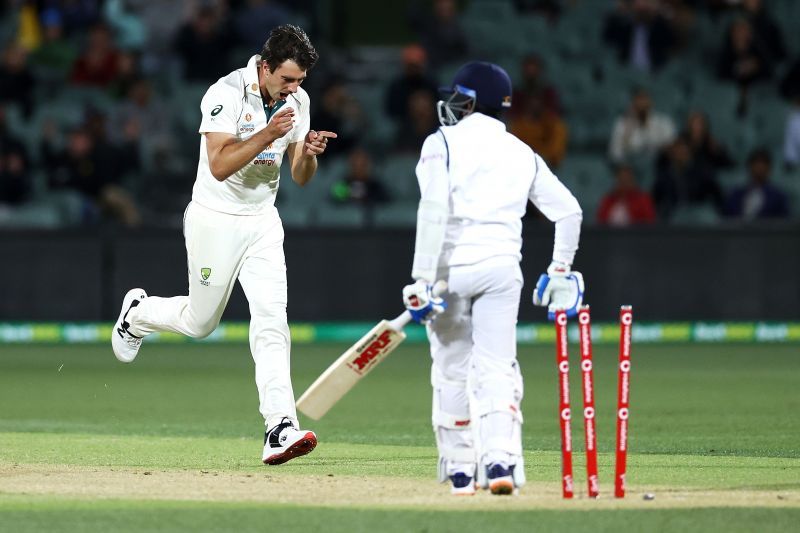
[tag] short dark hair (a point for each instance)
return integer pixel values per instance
(289, 42)
(760, 153)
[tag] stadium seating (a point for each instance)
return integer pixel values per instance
(338, 216)
(399, 176)
(396, 215)
(593, 86)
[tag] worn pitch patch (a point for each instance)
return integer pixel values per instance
(273, 486)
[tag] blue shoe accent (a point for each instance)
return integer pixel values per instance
(460, 480)
(497, 470)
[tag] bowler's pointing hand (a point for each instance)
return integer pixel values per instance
(317, 141)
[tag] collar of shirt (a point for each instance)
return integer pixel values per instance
(479, 120)
(251, 84)
(251, 76)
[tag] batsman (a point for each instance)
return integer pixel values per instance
(475, 181)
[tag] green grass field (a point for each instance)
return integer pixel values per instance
(173, 442)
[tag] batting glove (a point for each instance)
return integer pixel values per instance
(559, 288)
(421, 303)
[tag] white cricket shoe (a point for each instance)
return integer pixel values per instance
(284, 442)
(124, 343)
(462, 484)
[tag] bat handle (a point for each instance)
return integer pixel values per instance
(400, 321)
(404, 318)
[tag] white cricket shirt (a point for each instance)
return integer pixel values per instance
(234, 105)
(486, 176)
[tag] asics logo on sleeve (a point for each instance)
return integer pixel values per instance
(216, 111)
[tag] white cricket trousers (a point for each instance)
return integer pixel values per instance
(477, 384)
(221, 248)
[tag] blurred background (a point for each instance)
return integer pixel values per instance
(676, 123)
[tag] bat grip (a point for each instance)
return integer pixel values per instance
(404, 318)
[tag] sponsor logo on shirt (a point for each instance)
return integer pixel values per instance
(216, 111)
(247, 127)
(265, 158)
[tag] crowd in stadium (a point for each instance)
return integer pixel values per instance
(653, 110)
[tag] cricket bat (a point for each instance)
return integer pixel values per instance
(356, 363)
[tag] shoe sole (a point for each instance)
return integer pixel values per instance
(300, 448)
(502, 487)
(463, 491)
(127, 300)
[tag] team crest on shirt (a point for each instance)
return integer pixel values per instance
(247, 126)
(205, 273)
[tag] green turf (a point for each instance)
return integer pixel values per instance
(707, 416)
(701, 399)
(71, 516)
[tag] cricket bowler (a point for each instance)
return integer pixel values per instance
(475, 181)
(251, 118)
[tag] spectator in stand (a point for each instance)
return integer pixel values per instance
(420, 122)
(130, 31)
(165, 189)
(743, 60)
(759, 198)
(640, 132)
(790, 90)
(626, 204)
(127, 75)
(682, 181)
(203, 45)
(718, 9)
(56, 54)
(17, 84)
(541, 129)
(359, 186)
(534, 83)
(549, 9)
(78, 15)
(440, 32)
(682, 18)
(413, 78)
(791, 140)
(254, 17)
(98, 63)
(765, 30)
(120, 154)
(15, 184)
(338, 111)
(83, 168)
(705, 148)
(641, 35)
(144, 118)
(161, 30)
(790, 83)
